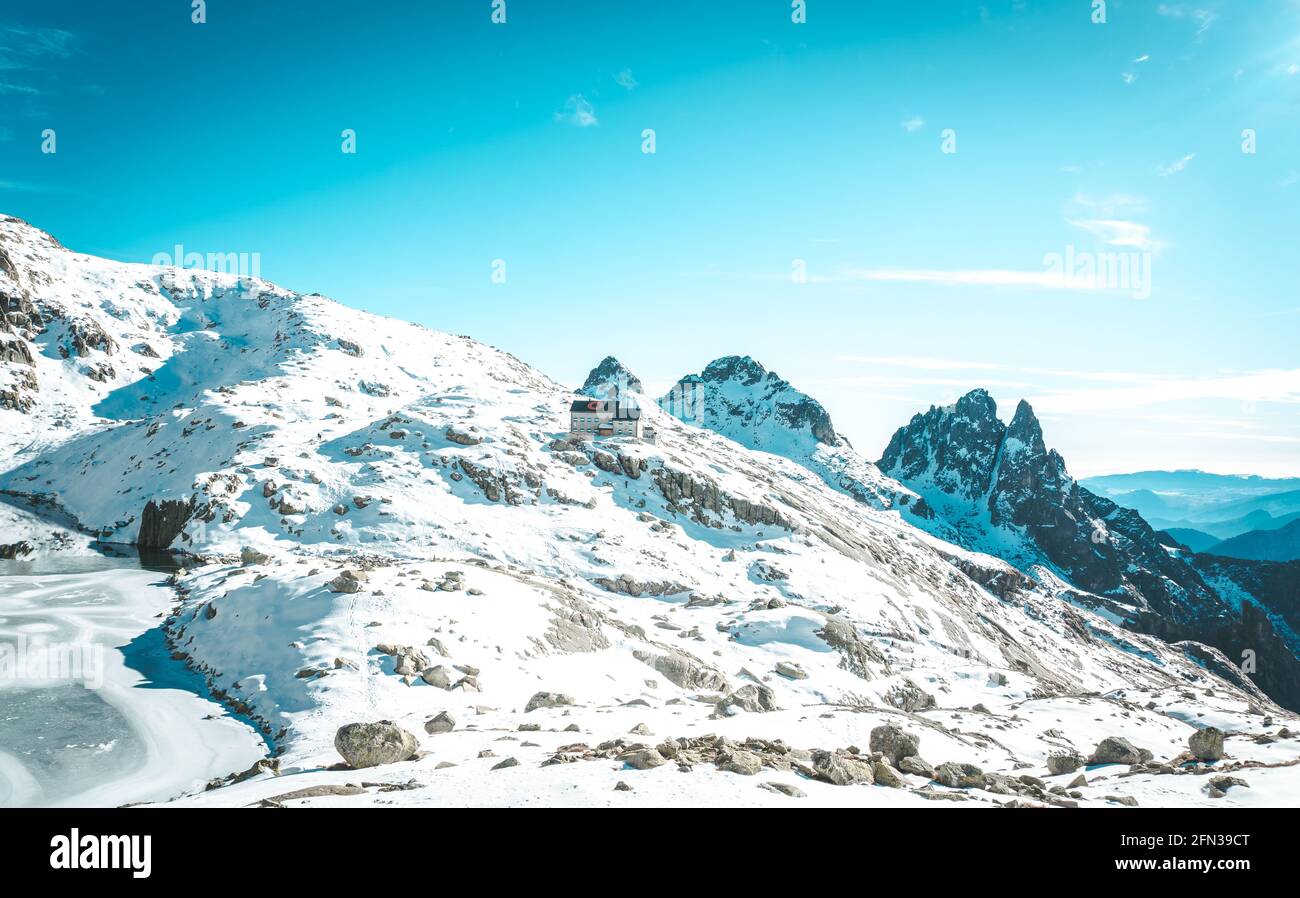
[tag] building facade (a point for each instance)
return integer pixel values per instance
(604, 418)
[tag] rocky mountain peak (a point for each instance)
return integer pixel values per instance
(738, 368)
(954, 447)
(739, 398)
(609, 379)
(1025, 430)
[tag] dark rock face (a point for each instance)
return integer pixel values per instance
(957, 447)
(610, 379)
(965, 452)
(161, 522)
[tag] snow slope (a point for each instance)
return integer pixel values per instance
(706, 583)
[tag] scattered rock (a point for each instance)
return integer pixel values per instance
(249, 556)
(745, 763)
(440, 723)
(886, 775)
(840, 771)
(1117, 750)
(894, 743)
(437, 676)
(752, 697)
(916, 766)
(959, 776)
(372, 744)
(643, 759)
(784, 789)
(1063, 762)
(348, 581)
(791, 671)
(1206, 744)
(548, 700)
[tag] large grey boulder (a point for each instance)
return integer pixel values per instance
(1118, 750)
(437, 675)
(959, 776)
(840, 771)
(643, 759)
(548, 700)
(1063, 762)
(684, 670)
(907, 696)
(895, 743)
(348, 581)
(1206, 744)
(743, 762)
(886, 775)
(916, 766)
(440, 723)
(373, 744)
(752, 697)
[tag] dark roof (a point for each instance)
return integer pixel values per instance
(621, 411)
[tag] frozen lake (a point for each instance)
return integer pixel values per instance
(93, 712)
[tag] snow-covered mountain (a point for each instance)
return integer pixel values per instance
(610, 379)
(737, 397)
(1004, 492)
(391, 526)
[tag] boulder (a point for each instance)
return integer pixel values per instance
(959, 776)
(886, 775)
(249, 556)
(837, 770)
(1206, 744)
(917, 766)
(643, 759)
(440, 723)
(895, 743)
(1118, 750)
(372, 744)
(1063, 762)
(548, 700)
(437, 676)
(348, 581)
(791, 671)
(745, 763)
(752, 697)
(907, 696)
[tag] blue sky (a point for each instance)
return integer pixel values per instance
(779, 148)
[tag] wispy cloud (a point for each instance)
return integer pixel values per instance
(1201, 18)
(625, 80)
(1165, 170)
(922, 363)
(578, 111)
(1111, 205)
(22, 47)
(1258, 386)
(913, 123)
(978, 277)
(1120, 232)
